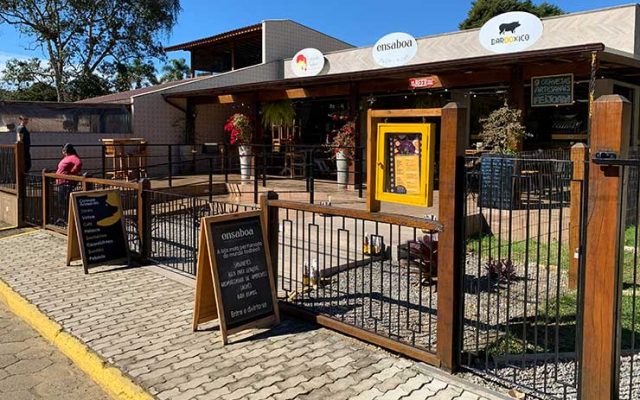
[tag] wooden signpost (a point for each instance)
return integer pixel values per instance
(234, 282)
(96, 232)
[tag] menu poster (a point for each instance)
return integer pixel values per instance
(552, 90)
(96, 232)
(234, 282)
(403, 159)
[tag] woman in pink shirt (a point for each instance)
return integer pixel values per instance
(69, 165)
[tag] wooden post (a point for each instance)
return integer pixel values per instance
(578, 157)
(451, 240)
(600, 352)
(272, 218)
(373, 205)
(20, 186)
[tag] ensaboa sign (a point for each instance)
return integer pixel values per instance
(307, 62)
(511, 32)
(394, 49)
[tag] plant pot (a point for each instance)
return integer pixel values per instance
(342, 166)
(497, 182)
(245, 162)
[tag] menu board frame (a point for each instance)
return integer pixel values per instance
(76, 235)
(426, 151)
(554, 104)
(209, 301)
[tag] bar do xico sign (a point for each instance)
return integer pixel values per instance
(511, 32)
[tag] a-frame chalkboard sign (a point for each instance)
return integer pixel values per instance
(96, 232)
(234, 279)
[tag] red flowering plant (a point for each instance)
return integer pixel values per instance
(240, 130)
(344, 140)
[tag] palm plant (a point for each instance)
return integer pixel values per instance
(177, 69)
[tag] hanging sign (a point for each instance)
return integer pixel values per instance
(511, 32)
(307, 62)
(234, 282)
(394, 49)
(552, 90)
(96, 232)
(424, 82)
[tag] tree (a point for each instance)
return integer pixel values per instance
(86, 86)
(483, 10)
(78, 36)
(27, 80)
(135, 75)
(175, 70)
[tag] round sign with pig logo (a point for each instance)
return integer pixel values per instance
(511, 32)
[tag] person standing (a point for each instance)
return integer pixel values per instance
(69, 165)
(24, 136)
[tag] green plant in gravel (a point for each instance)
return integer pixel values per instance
(542, 253)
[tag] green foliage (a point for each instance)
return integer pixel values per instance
(78, 36)
(483, 10)
(502, 130)
(278, 113)
(36, 92)
(134, 75)
(87, 86)
(175, 70)
(27, 80)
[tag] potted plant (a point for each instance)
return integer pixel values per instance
(278, 113)
(342, 149)
(501, 132)
(240, 133)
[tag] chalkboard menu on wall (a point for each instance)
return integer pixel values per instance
(552, 90)
(234, 282)
(96, 232)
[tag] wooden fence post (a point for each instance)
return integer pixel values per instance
(20, 183)
(578, 157)
(273, 222)
(373, 205)
(451, 240)
(600, 350)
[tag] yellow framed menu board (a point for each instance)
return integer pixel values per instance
(405, 163)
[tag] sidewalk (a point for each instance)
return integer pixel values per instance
(139, 320)
(31, 368)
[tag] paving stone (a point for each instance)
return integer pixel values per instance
(450, 392)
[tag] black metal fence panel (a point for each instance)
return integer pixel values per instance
(379, 277)
(32, 199)
(520, 315)
(7, 167)
(175, 223)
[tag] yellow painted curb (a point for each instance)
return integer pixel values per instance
(112, 380)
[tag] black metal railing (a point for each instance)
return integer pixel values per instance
(32, 199)
(373, 272)
(175, 222)
(520, 315)
(8, 167)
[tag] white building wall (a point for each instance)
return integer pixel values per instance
(284, 38)
(614, 27)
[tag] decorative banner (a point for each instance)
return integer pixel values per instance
(511, 32)
(552, 90)
(424, 82)
(307, 62)
(394, 49)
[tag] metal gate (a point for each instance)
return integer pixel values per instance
(520, 290)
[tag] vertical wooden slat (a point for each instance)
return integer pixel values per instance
(578, 157)
(373, 205)
(450, 241)
(602, 275)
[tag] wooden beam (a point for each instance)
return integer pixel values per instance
(578, 158)
(451, 240)
(610, 130)
(373, 205)
(413, 112)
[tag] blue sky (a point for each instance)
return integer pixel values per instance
(359, 22)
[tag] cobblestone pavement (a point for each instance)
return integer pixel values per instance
(31, 368)
(140, 321)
